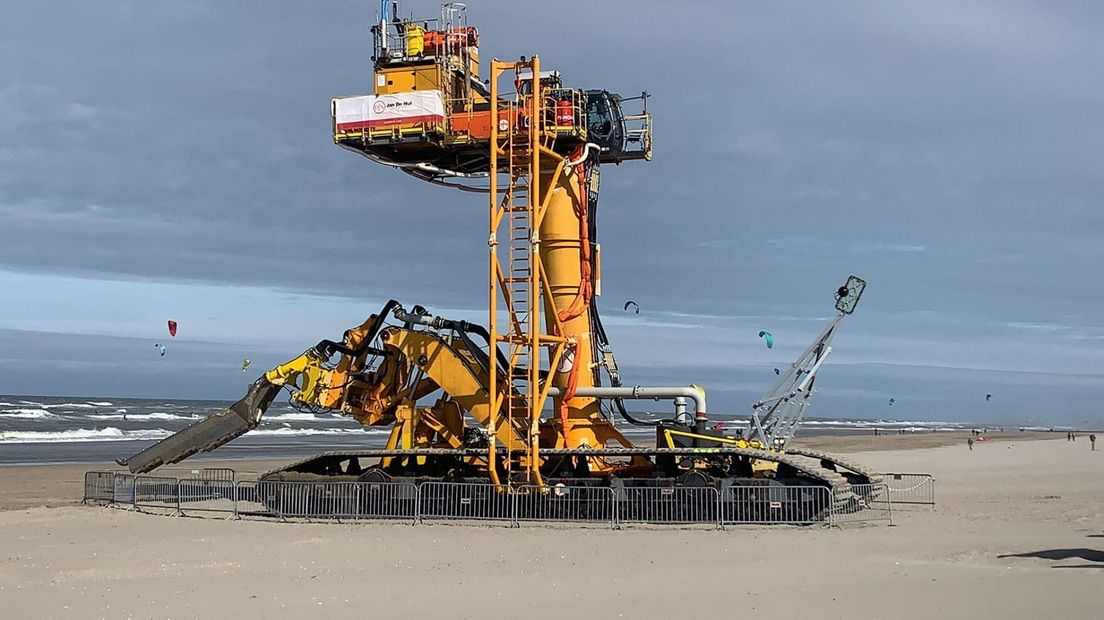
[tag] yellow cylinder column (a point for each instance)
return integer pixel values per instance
(562, 258)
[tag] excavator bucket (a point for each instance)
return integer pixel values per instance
(209, 433)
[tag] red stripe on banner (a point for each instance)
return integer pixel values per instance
(406, 120)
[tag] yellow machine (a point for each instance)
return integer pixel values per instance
(530, 396)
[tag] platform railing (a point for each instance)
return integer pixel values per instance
(615, 507)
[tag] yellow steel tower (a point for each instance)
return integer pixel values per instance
(540, 262)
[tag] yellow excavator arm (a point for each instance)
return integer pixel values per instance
(375, 384)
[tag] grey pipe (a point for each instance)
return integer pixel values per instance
(693, 392)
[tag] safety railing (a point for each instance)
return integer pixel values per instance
(255, 498)
(156, 492)
(667, 505)
(619, 506)
(565, 504)
(207, 495)
(911, 489)
(99, 486)
(214, 474)
(869, 502)
(123, 489)
(465, 501)
(775, 504)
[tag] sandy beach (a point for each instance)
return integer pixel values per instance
(1018, 532)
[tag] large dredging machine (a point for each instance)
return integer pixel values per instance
(520, 401)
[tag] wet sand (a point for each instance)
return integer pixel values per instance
(1018, 532)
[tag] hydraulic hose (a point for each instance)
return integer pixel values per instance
(326, 348)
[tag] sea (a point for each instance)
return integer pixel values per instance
(36, 430)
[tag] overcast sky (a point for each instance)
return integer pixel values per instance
(174, 160)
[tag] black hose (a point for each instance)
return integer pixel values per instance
(326, 348)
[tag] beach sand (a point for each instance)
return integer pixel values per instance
(1018, 532)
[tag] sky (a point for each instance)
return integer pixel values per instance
(174, 160)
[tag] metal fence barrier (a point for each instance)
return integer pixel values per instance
(253, 498)
(775, 504)
(99, 486)
(156, 492)
(465, 501)
(123, 490)
(762, 504)
(306, 500)
(666, 505)
(871, 502)
(207, 496)
(564, 504)
(388, 500)
(212, 474)
(915, 489)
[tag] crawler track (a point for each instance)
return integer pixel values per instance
(865, 474)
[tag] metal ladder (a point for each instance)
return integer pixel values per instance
(522, 263)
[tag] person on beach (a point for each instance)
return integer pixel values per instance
(1069, 436)
(970, 443)
(1092, 441)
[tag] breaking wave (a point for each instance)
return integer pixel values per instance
(84, 434)
(123, 415)
(301, 432)
(306, 417)
(30, 414)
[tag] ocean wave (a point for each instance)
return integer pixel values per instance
(881, 423)
(84, 434)
(103, 403)
(70, 406)
(288, 431)
(123, 415)
(31, 414)
(307, 417)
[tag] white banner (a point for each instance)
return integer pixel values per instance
(370, 111)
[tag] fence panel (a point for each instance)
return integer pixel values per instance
(156, 492)
(207, 496)
(666, 505)
(123, 489)
(870, 503)
(464, 501)
(388, 500)
(309, 500)
(254, 498)
(775, 504)
(99, 486)
(915, 489)
(222, 474)
(565, 504)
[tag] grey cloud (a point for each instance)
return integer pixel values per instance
(948, 152)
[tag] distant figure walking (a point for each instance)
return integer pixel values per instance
(1069, 436)
(970, 442)
(1092, 440)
